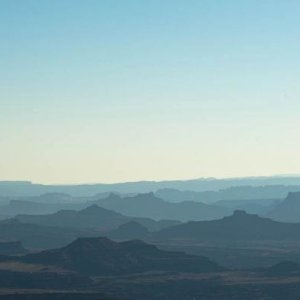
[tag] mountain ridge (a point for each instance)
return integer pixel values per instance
(102, 256)
(237, 227)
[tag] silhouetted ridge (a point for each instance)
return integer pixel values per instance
(90, 243)
(92, 217)
(101, 256)
(240, 226)
(243, 216)
(148, 205)
(96, 210)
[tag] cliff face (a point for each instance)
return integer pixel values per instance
(288, 210)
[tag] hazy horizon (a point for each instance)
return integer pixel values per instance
(111, 91)
(66, 182)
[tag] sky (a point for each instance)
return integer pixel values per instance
(130, 90)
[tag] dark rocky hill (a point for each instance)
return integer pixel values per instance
(101, 256)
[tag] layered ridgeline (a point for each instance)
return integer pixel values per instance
(164, 204)
(94, 216)
(142, 205)
(268, 187)
(240, 192)
(238, 227)
(62, 227)
(288, 210)
(149, 205)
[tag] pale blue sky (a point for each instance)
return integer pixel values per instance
(107, 90)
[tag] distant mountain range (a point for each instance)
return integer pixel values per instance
(92, 217)
(149, 205)
(140, 205)
(26, 188)
(64, 226)
(137, 216)
(242, 192)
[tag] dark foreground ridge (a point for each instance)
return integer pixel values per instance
(101, 256)
(98, 268)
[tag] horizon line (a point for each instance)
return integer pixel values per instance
(292, 175)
